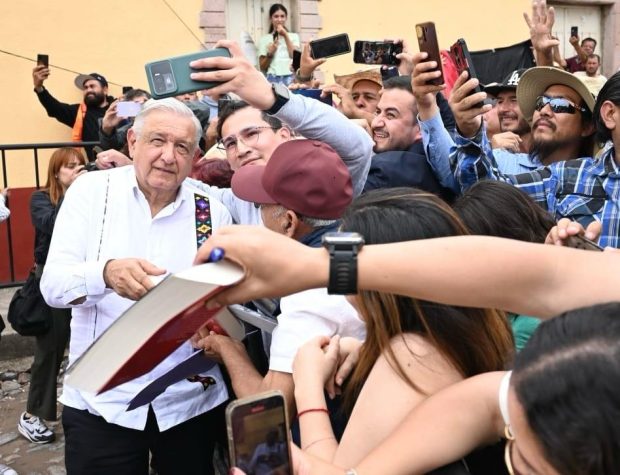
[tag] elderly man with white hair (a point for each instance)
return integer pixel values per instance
(116, 228)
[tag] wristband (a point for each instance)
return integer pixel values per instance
(302, 78)
(319, 409)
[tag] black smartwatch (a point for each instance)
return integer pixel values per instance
(282, 95)
(343, 249)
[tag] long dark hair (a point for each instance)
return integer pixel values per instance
(495, 208)
(473, 340)
(609, 92)
(567, 379)
(276, 7)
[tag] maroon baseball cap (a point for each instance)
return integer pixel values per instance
(305, 176)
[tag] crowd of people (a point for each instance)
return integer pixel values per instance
(399, 235)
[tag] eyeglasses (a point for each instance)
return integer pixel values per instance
(248, 136)
(558, 105)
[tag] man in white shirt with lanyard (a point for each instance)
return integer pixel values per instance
(115, 229)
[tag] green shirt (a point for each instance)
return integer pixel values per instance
(523, 328)
(281, 63)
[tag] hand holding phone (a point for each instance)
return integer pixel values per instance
(328, 47)
(427, 40)
(462, 59)
(41, 72)
(258, 434)
(172, 77)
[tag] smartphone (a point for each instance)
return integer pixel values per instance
(462, 59)
(315, 94)
(427, 41)
(126, 89)
(376, 52)
(128, 109)
(258, 434)
(574, 31)
(332, 46)
(275, 36)
(387, 73)
(579, 242)
(171, 77)
(43, 60)
(296, 60)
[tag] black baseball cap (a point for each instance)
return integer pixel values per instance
(510, 82)
(82, 78)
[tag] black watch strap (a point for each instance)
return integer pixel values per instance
(343, 272)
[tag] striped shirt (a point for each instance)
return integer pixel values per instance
(584, 189)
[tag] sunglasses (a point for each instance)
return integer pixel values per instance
(558, 105)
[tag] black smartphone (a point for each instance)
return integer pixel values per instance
(332, 46)
(462, 59)
(43, 60)
(296, 60)
(275, 36)
(376, 52)
(126, 89)
(574, 31)
(221, 104)
(428, 43)
(387, 73)
(579, 242)
(258, 434)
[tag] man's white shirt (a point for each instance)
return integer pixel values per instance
(105, 216)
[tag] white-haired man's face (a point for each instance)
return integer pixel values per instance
(162, 154)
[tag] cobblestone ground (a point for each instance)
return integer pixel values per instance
(15, 451)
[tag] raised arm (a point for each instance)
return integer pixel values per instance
(484, 272)
(311, 118)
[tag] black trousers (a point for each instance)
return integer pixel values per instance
(96, 447)
(48, 354)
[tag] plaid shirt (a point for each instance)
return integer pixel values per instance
(584, 190)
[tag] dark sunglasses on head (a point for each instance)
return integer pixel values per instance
(558, 105)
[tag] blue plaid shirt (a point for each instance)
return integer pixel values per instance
(584, 190)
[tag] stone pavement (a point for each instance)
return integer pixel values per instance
(15, 451)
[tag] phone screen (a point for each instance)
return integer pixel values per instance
(376, 52)
(574, 31)
(128, 109)
(43, 60)
(332, 46)
(258, 435)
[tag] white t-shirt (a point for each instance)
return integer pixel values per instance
(306, 315)
(594, 84)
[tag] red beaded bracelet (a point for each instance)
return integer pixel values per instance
(320, 409)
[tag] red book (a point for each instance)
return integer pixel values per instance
(154, 327)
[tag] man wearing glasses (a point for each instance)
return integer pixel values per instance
(252, 129)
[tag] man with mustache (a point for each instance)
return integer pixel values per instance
(83, 118)
(515, 136)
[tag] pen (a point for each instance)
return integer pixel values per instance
(216, 255)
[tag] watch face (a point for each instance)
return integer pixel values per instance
(343, 238)
(282, 91)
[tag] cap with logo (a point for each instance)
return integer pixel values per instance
(305, 176)
(535, 81)
(510, 82)
(82, 78)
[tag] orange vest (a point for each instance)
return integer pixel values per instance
(78, 126)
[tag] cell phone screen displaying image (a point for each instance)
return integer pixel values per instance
(332, 46)
(259, 442)
(376, 52)
(43, 60)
